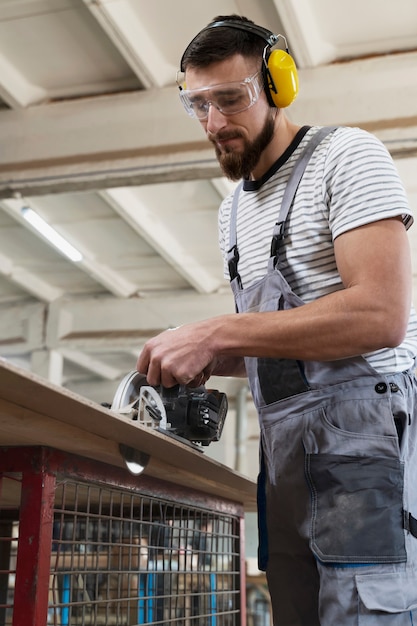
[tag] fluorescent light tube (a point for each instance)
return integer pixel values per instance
(51, 235)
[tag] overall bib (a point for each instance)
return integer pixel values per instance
(337, 489)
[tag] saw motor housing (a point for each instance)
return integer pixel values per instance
(195, 414)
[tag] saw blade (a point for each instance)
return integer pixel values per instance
(142, 402)
(127, 393)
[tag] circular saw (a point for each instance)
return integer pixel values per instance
(194, 415)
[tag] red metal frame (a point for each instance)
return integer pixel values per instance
(39, 458)
(242, 573)
(38, 467)
(34, 549)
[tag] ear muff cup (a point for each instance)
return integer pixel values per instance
(281, 79)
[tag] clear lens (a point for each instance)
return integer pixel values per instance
(228, 98)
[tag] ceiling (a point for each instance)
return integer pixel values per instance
(94, 139)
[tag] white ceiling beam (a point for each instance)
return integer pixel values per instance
(28, 281)
(117, 140)
(89, 143)
(31, 283)
(325, 32)
(381, 94)
(97, 390)
(114, 282)
(22, 328)
(304, 39)
(102, 324)
(92, 365)
(15, 90)
(106, 323)
(49, 364)
(130, 36)
(193, 162)
(97, 128)
(154, 230)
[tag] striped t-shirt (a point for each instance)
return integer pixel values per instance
(349, 181)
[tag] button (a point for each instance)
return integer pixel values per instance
(394, 387)
(381, 387)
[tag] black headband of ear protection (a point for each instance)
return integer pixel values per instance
(264, 33)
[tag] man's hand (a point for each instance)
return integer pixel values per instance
(190, 354)
(178, 356)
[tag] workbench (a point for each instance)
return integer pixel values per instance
(84, 541)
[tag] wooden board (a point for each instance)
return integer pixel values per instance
(36, 412)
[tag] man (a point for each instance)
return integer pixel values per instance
(323, 331)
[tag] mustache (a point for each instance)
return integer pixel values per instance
(225, 135)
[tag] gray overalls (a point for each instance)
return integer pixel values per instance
(337, 493)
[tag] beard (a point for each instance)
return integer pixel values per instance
(237, 165)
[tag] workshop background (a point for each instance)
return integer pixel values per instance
(94, 140)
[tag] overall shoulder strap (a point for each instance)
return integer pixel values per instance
(292, 185)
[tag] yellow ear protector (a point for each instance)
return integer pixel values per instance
(278, 68)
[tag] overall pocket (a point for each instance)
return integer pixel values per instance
(356, 481)
(389, 599)
(357, 508)
(279, 379)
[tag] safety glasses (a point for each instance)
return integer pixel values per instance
(228, 98)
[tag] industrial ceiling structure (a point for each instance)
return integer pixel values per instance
(93, 138)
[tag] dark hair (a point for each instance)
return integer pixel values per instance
(212, 45)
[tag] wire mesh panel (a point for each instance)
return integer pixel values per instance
(122, 558)
(123, 555)
(8, 547)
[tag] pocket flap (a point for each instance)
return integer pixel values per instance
(392, 593)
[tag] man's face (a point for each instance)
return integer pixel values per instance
(239, 139)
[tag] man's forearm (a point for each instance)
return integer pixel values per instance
(232, 366)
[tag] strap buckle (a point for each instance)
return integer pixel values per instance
(277, 237)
